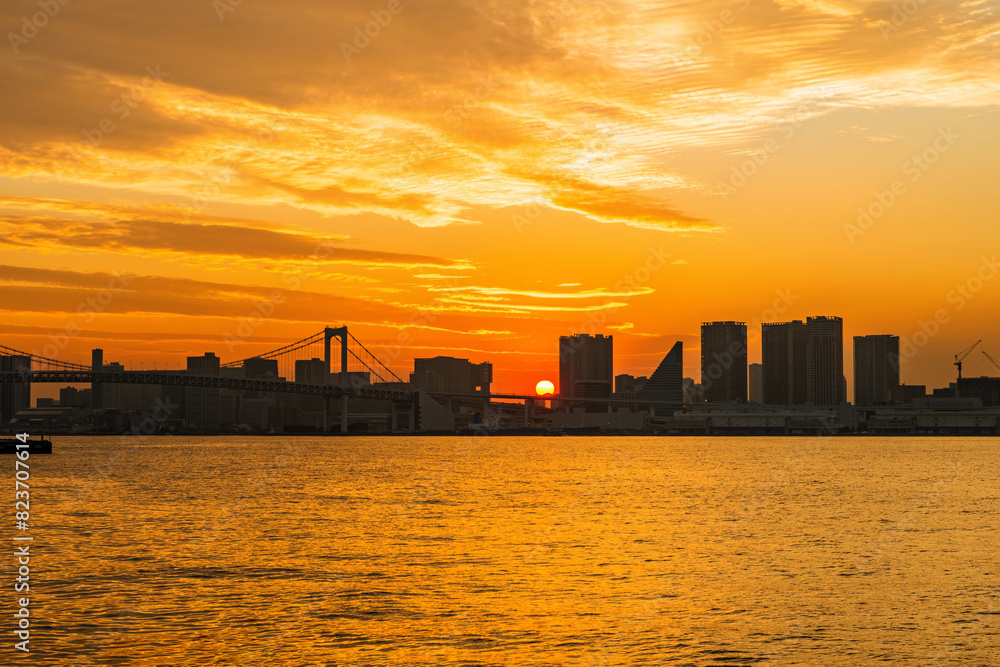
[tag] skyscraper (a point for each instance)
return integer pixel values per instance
(14, 396)
(312, 408)
(724, 361)
(96, 366)
(311, 371)
(667, 381)
(783, 355)
(201, 404)
(825, 383)
(876, 369)
(586, 366)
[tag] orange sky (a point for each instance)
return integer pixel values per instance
(483, 176)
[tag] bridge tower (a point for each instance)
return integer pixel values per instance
(328, 334)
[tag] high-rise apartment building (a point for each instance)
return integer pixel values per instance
(667, 382)
(311, 371)
(586, 366)
(876, 369)
(724, 361)
(96, 366)
(201, 404)
(14, 396)
(825, 384)
(783, 356)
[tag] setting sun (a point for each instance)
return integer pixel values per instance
(545, 388)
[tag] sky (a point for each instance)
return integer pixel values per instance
(478, 178)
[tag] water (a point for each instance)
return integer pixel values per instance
(509, 551)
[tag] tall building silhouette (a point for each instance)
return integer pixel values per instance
(201, 404)
(783, 355)
(724, 361)
(667, 381)
(586, 366)
(825, 361)
(876, 369)
(258, 367)
(14, 396)
(311, 371)
(261, 409)
(96, 389)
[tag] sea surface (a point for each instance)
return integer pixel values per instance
(493, 550)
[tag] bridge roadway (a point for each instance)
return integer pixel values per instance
(184, 380)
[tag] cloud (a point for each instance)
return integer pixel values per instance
(141, 232)
(473, 292)
(579, 104)
(40, 290)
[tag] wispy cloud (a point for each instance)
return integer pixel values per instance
(144, 232)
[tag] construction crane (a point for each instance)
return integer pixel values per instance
(990, 357)
(963, 354)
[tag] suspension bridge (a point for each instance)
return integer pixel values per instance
(31, 367)
(331, 364)
(308, 366)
